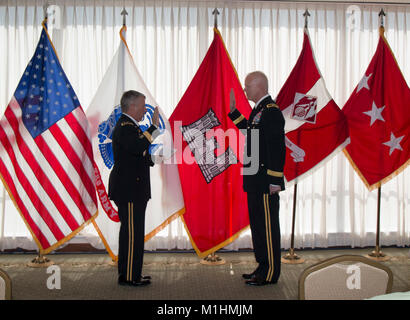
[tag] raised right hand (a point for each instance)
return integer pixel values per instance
(155, 117)
(232, 102)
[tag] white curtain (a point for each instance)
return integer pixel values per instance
(168, 40)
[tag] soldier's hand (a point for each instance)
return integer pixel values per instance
(159, 159)
(155, 117)
(274, 189)
(232, 102)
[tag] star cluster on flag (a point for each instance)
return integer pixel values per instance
(378, 116)
(44, 92)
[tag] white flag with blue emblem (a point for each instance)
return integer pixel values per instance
(166, 195)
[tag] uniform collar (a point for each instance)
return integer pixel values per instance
(260, 100)
(133, 120)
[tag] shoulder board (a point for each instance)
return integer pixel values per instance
(126, 123)
(272, 105)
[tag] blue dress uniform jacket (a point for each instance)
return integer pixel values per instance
(269, 121)
(263, 207)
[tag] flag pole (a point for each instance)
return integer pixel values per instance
(41, 261)
(291, 257)
(382, 15)
(215, 13)
(306, 14)
(377, 254)
(124, 13)
(212, 259)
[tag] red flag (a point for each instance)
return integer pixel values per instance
(315, 125)
(215, 203)
(378, 115)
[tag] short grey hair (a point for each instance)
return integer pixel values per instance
(128, 97)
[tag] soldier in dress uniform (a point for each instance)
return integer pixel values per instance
(129, 184)
(263, 187)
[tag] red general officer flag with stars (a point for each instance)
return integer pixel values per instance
(315, 126)
(378, 115)
(46, 158)
(210, 169)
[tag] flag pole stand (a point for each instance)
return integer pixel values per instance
(292, 257)
(377, 254)
(113, 263)
(40, 262)
(213, 260)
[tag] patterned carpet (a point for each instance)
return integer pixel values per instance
(175, 276)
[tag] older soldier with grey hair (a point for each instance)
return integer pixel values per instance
(129, 184)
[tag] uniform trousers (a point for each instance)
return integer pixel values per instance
(131, 239)
(264, 223)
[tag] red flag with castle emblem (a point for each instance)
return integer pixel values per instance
(216, 208)
(315, 127)
(378, 115)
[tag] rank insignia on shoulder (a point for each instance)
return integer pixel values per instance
(272, 105)
(126, 123)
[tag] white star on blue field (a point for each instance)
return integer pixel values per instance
(44, 92)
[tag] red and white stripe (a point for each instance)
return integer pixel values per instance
(51, 177)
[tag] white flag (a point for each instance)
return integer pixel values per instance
(166, 195)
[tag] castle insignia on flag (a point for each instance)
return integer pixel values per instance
(304, 108)
(204, 149)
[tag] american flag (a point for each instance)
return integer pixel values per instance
(46, 158)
